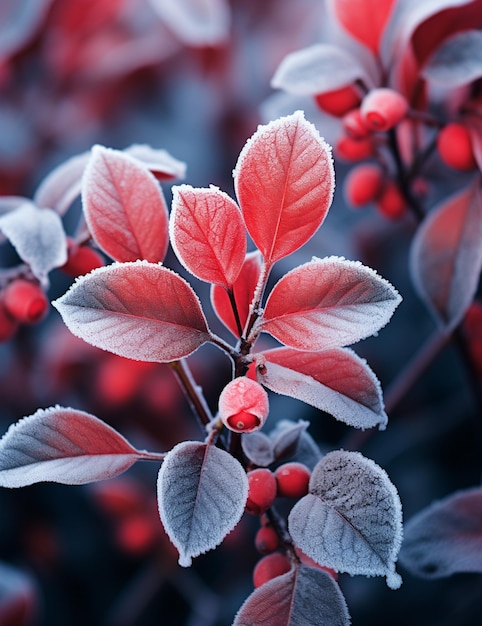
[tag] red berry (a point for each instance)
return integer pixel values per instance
(270, 567)
(339, 101)
(8, 325)
(266, 540)
(363, 184)
(243, 405)
(455, 147)
(261, 491)
(81, 259)
(292, 480)
(25, 301)
(354, 125)
(381, 109)
(309, 562)
(350, 149)
(391, 203)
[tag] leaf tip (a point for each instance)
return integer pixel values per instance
(394, 580)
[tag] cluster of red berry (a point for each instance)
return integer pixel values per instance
(363, 118)
(23, 300)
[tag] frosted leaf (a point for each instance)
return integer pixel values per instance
(328, 303)
(336, 381)
(208, 234)
(351, 520)
(302, 597)
(457, 61)
(124, 207)
(202, 492)
(38, 237)
(65, 446)
(159, 162)
(284, 181)
(292, 441)
(257, 448)
(446, 537)
(317, 69)
(59, 189)
(139, 310)
(196, 22)
(446, 256)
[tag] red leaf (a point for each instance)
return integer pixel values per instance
(446, 256)
(65, 446)
(243, 290)
(208, 234)
(124, 207)
(138, 310)
(284, 182)
(328, 303)
(336, 381)
(365, 20)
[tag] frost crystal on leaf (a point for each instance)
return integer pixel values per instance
(202, 492)
(351, 520)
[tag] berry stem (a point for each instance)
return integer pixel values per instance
(235, 311)
(192, 391)
(403, 178)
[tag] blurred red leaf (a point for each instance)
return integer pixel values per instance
(365, 20)
(446, 255)
(284, 182)
(208, 234)
(124, 207)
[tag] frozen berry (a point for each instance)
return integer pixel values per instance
(455, 147)
(363, 184)
(270, 567)
(266, 540)
(292, 480)
(261, 491)
(391, 202)
(81, 259)
(354, 125)
(383, 108)
(243, 405)
(339, 101)
(350, 149)
(25, 301)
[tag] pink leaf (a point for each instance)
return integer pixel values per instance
(59, 189)
(138, 310)
(336, 381)
(196, 22)
(208, 234)
(328, 303)
(124, 207)
(365, 20)
(243, 290)
(446, 256)
(284, 182)
(65, 446)
(318, 68)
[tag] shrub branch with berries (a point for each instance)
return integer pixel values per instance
(138, 308)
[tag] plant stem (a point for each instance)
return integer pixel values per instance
(192, 391)
(414, 369)
(402, 178)
(235, 311)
